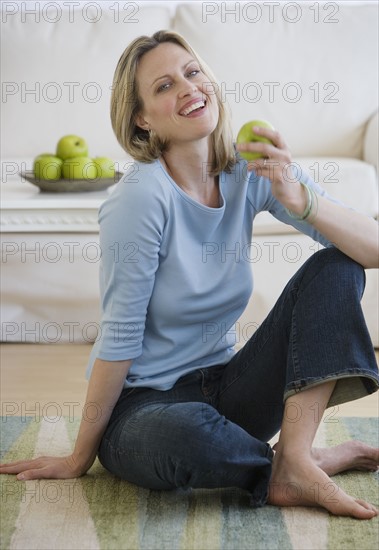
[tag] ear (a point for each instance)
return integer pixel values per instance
(142, 123)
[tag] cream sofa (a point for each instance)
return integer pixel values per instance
(309, 68)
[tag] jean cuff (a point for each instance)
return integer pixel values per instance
(259, 494)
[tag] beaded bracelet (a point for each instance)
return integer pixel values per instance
(309, 207)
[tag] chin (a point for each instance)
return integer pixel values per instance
(204, 135)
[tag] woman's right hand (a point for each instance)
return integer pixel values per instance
(46, 467)
(105, 385)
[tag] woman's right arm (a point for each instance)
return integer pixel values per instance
(104, 388)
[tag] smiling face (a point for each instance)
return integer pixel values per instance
(178, 100)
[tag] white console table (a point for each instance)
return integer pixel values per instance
(25, 209)
(50, 262)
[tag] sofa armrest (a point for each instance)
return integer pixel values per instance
(371, 141)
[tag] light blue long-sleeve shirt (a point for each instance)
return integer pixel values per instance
(175, 274)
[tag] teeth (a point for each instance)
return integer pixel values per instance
(192, 107)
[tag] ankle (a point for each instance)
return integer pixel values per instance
(294, 453)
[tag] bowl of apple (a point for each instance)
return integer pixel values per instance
(70, 169)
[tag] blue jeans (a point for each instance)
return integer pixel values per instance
(211, 429)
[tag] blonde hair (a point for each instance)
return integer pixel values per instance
(126, 104)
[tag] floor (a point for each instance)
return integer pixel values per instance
(49, 380)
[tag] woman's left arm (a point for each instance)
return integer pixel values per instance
(351, 232)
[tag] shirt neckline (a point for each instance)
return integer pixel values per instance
(191, 200)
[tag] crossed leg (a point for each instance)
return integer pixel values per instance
(315, 333)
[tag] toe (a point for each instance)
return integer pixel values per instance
(364, 510)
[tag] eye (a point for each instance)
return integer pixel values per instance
(193, 72)
(163, 87)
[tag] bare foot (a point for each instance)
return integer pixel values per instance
(351, 455)
(298, 481)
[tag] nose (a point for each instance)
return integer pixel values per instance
(186, 88)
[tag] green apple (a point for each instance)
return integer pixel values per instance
(47, 167)
(246, 135)
(71, 146)
(79, 168)
(105, 167)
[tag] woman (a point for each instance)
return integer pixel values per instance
(179, 407)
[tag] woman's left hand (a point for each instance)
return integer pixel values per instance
(276, 166)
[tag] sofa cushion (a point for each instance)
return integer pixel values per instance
(303, 66)
(342, 178)
(371, 141)
(57, 75)
(275, 259)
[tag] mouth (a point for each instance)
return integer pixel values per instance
(195, 107)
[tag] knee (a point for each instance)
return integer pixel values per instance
(344, 276)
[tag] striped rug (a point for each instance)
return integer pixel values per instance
(99, 511)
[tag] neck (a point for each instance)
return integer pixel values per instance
(189, 166)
